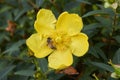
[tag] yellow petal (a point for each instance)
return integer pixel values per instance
(60, 59)
(79, 44)
(38, 45)
(70, 23)
(45, 22)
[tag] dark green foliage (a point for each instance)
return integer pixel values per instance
(102, 25)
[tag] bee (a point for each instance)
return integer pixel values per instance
(50, 43)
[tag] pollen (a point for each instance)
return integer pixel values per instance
(58, 39)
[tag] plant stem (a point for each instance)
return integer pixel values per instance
(115, 20)
(38, 75)
(96, 78)
(113, 30)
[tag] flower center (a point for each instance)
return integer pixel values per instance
(58, 40)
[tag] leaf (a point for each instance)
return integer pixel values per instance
(91, 26)
(5, 9)
(13, 3)
(20, 14)
(101, 54)
(93, 52)
(117, 71)
(26, 5)
(103, 66)
(39, 2)
(25, 72)
(5, 71)
(94, 13)
(97, 52)
(88, 71)
(117, 38)
(83, 1)
(116, 57)
(3, 37)
(43, 64)
(3, 64)
(107, 22)
(91, 29)
(109, 11)
(15, 46)
(71, 5)
(53, 76)
(19, 78)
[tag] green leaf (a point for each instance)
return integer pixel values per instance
(20, 14)
(97, 52)
(91, 26)
(5, 71)
(71, 5)
(107, 22)
(5, 9)
(25, 72)
(117, 38)
(26, 5)
(117, 71)
(39, 2)
(53, 76)
(83, 1)
(94, 13)
(88, 71)
(103, 66)
(91, 29)
(43, 64)
(100, 53)
(18, 77)
(3, 37)
(15, 46)
(93, 52)
(116, 57)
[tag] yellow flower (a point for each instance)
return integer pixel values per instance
(58, 38)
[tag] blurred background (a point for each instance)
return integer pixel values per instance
(101, 20)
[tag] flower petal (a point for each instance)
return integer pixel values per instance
(38, 45)
(79, 44)
(45, 22)
(70, 23)
(60, 59)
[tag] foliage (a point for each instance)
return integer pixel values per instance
(101, 24)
